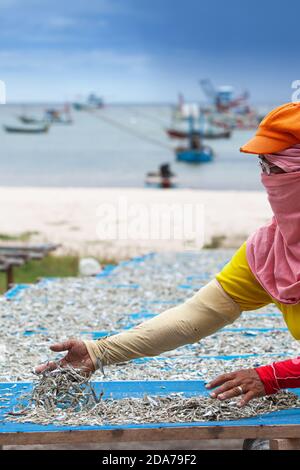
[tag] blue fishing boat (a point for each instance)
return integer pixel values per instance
(195, 152)
(202, 155)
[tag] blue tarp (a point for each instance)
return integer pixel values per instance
(15, 291)
(123, 389)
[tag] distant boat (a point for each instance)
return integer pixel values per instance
(92, 102)
(27, 129)
(235, 120)
(208, 134)
(51, 116)
(202, 155)
(80, 106)
(29, 119)
(55, 116)
(216, 134)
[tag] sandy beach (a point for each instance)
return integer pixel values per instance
(88, 221)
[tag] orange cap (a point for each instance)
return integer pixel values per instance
(279, 130)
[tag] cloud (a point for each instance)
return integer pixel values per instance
(57, 22)
(72, 8)
(58, 61)
(57, 75)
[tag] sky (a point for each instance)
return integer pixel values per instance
(147, 50)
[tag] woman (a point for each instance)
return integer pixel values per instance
(266, 269)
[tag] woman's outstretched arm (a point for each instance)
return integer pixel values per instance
(203, 314)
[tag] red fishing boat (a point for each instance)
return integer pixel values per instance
(209, 134)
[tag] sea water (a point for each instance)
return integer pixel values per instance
(115, 146)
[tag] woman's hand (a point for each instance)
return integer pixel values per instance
(245, 382)
(77, 357)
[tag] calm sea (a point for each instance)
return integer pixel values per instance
(115, 146)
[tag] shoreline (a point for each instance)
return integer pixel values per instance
(74, 217)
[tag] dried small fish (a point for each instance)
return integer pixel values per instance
(62, 388)
(174, 408)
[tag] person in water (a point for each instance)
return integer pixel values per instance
(264, 270)
(195, 141)
(165, 170)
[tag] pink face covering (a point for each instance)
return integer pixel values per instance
(288, 160)
(273, 251)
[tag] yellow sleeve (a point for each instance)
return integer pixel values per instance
(238, 281)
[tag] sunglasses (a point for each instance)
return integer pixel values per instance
(264, 164)
(267, 167)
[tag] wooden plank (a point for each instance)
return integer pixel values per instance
(285, 444)
(16, 254)
(151, 434)
(26, 254)
(22, 255)
(36, 255)
(46, 247)
(15, 261)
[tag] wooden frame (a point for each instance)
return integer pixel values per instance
(272, 433)
(285, 444)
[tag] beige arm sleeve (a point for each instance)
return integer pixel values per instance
(206, 312)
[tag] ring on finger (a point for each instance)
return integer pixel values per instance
(240, 389)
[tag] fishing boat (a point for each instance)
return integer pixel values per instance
(216, 134)
(79, 106)
(27, 129)
(30, 119)
(164, 178)
(92, 102)
(203, 155)
(55, 116)
(207, 134)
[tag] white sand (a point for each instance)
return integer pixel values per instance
(69, 217)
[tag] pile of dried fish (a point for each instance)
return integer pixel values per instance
(62, 388)
(174, 408)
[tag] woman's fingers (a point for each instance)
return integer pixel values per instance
(64, 346)
(230, 384)
(244, 382)
(221, 379)
(233, 392)
(47, 366)
(246, 398)
(57, 347)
